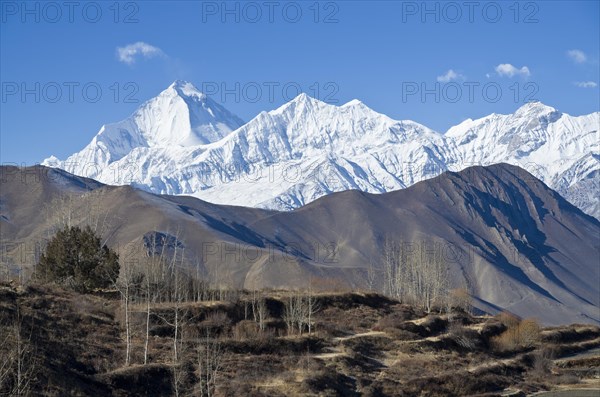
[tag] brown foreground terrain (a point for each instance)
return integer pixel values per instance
(57, 342)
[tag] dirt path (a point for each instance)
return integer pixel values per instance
(353, 336)
(337, 349)
(495, 364)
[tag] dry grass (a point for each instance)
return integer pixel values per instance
(519, 334)
(363, 345)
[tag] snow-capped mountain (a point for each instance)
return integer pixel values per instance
(179, 117)
(560, 149)
(182, 142)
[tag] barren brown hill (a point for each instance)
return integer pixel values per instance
(515, 243)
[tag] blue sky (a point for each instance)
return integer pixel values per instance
(495, 55)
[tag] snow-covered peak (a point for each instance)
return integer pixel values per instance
(303, 99)
(302, 105)
(534, 108)
(354, 102)
(459, 128)
(529, 117)
(183, 142)
(180, 116)
(181, 84)
(52, 161)
(308, 128)
(185, 89)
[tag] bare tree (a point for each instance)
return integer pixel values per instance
(371, 276)
(178, 300)
(415, 274)
(155, 263)
(69, 210)
(209, 364)
(397, 270)
(149, 292)
(299, 311)
(435, 280)
(312, 307)
(18, 366)
(390, 268)
(128, 283)
(125, 285)
(259, 309)
(460, 298)
(178, 366)
(178, 294)
(200, 284)
(293, 313)
(7, 363)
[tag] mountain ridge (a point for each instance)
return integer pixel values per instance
(503, 233)
(307, 148)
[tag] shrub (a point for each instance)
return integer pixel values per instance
(434, 325)
(76, 258)
(542, 363)
(492, 328)
(521, 334)
(246, 329)
(467, 339)
(216, 322)
(392, 320)
(461, 299)
(508, 319)
(529, 332)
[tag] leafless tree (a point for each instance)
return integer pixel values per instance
(415, 274)
(126, 284)
(460, 298)
(178, 299)
(435, 280)
(293, 313)
(179, 366)
(209, 364)
(390, 268)
(201, 285)
(18, 366)
(178, 294)
(299, 311)
(69, 210)
(312, 307)
(152, 283)
(7, 362)
(399, 271)
(259, 309)
(371, 276)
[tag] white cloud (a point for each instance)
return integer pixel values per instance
(585, 84)
(577, 56)
(450, 76)
(506, 69)
(130, 52)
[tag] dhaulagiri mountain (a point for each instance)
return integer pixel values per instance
(516, 244)
(184, 143)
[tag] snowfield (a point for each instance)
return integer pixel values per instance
(184, 143)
